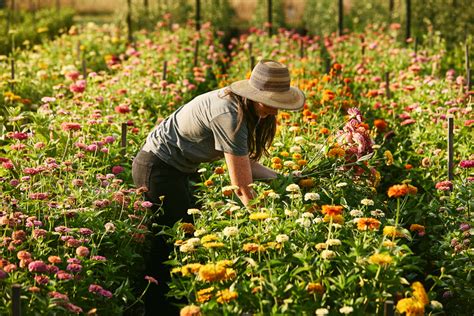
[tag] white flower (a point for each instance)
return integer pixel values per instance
(194, 211)
(310, 196)
(282, 238)
(321, 312)
(377, 213)
(186, 247)
(278, 144)
(367, 202)
(341, 184)
(234, 208)
(356, 213)
(304, 222)
(307, 215)
(273, 195)
(299, 140)
(317, 220)
(200, 232)
(194, 241)
(436, 305)
(321, 246)
(293, 188)
(230, 231)
(202, 170)
(376, 146)
(109, 227)
(336, 225)
(230, 188)
(295, 149)
(294, 195)
(289, 163)
(327, 254)
(294, 129)
(346, 310)
(333, 242)
(290, 212)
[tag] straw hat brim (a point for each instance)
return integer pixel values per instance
(291, 100)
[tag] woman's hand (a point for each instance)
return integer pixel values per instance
(240, 173)
(261, 172)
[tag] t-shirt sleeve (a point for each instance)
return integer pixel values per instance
(226, 138)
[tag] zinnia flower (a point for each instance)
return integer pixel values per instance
(444, 185)
(332, 210)
(368, 224)
(212, 272)
(400, 190)
(381, 259)
(259, 216)
(226, 295)
(466, 164)
(190, 310)
(313, 288)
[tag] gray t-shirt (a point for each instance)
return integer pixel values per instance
(202, 130)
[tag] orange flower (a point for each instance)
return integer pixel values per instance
(276, 160)
(408, 166)
(313, 288)
(336, 152)
(219, 170)
(400, 190)
(324, 131)
(328, 95)
(338, 219)
(306, 183)
(332, 210)
(208, 183)
(187, 228)
(380, 124)
(368, 224)
(420, 229)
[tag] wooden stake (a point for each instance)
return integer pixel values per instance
(408, 19)
(362, 45)
(196, 52)
(269, 13)
(198, 15)
(252, 62)
(129, 21)
(341, 17)
(390, 11)
(450, 146)
(388, 308)
(468, 69)
(123, 142)
(84, 68)
(416, 46)
(16, 300)
(165, 68)
(387, 85)
(301, 48)
(12, 64)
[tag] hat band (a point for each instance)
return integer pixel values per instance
(273, 86)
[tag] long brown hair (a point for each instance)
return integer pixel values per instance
(261, 131)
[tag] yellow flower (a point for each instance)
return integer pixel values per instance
(411, 307)
(212, 272)
(253, 247)
(213, 244)
(389, 244)
(259, 216)
(390, 231)
(381, 259)
(190, 310)
(336, 152)
(190, 268)
(388, 158)
(225, 296)
(338, 219)
(419, 293)
(209, 238)
(204, 295)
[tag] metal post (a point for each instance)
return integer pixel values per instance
(84, 68)
(416, 46)
(252, 62)
(390, 10)
(468, 69)
(301, 48)
(129, 20)
(450, 146)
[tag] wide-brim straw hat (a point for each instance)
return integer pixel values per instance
(269, 84)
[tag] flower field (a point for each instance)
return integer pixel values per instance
(363, 212)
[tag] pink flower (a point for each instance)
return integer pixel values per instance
(78, 86)
(98, 258)
(147, 204)
(7, 165)
(73, 308)
(3, 274)
(407, 122)
(64, 276)
(85, 231)
(58, 296)
(151, 279)
(117, 169)
(97, 289)
(82, 251)
(38, 266)
(73, 75)
(69, 126)
(444, 185)
(109, 139)
(41, 279)
(122, 109)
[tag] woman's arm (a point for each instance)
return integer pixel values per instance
(240, 173)
(261, 172)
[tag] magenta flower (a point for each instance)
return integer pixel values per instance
(63, 276)
(466, 164)
(97, 289)
(42, 279)
(78, 86)
(74, 267)
(147, 204)
(73, 308)
(74, 260)
(3, 274)
(407, 122)
(117, 169)
(98, 258)
(85, 231)
(58, 296)
(38, 266)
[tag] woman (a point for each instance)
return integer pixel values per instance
(237, 123)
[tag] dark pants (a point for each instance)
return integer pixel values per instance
(162, 181)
